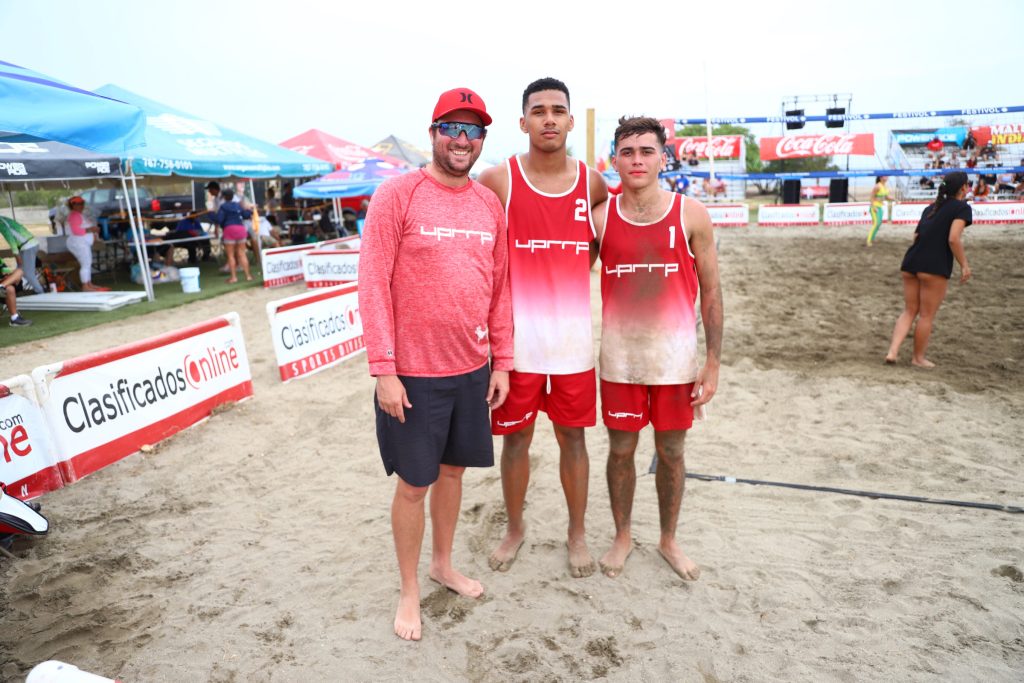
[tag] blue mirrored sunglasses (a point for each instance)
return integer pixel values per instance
(453, 128)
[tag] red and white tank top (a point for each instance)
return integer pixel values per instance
(648, 292)
(549, 239)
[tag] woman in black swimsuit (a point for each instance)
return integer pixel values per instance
(928, 265)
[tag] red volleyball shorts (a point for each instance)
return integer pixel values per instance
(630, 407)
(569, 401)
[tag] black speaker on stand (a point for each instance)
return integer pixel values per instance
(790, 191)
(839, 190)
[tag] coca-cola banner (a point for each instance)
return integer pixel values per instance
(800, 146)
(722, 147)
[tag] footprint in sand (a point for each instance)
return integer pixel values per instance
(1010, 572)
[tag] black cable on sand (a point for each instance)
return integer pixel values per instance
(1014, 509)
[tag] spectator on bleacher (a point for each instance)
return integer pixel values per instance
(1004, 183)
(989, 152)
(970, 143)
(982, 190)
(935, 146)
(954, 158)
(972, 161)
(926, 183)
(713, 188)
(692, 159)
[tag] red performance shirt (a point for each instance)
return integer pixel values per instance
(433, 279)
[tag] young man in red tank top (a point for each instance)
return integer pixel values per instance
(657, 252)
(548, 198)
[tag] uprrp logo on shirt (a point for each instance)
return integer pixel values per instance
(442, 233)
(633, 268)
(540, 245)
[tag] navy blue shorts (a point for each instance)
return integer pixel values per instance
(449, 423)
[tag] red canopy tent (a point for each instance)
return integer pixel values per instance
(341, 153)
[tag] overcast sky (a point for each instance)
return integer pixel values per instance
(363, 71)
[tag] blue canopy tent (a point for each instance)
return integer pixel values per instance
(38, 107)
(357, 180)
(181, 144)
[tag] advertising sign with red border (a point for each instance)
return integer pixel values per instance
(283, 265)
(107, 405)
(847, 213)
(981, 212)
(28, 464)
(787, 214)
(330, 267)
(315, 330)
(729, 214)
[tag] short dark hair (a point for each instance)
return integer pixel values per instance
(638, 125)
(227, 195)
(213, 185)
(546, 83)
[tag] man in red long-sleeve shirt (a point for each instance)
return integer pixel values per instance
(434, 299)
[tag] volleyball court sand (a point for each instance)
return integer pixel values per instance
(257, 546)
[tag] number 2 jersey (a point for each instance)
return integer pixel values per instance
(648, 292)
(549, 239)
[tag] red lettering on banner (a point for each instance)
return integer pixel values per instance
(16, 443)
(799, 146)
(319, 359)
(278, 281)
(722, 146)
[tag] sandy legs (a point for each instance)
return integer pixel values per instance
(922, 295)
(237, 256)
(407, 523)
(669, 480)
(445, 501)
(574, 469)
(621, 475)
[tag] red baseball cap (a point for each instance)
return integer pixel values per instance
(461, 98)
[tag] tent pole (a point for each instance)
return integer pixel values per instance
(140, 243)
(10, 198)
(139, 252)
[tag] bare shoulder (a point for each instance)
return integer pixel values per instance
(696, 215)
(598, 187)
(495, 179)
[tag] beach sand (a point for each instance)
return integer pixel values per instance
(257, 547)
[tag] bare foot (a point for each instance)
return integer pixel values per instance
(455, 581)
(232, 280)
(890, 360)
(248, 278)
(581, 564)
(614, 561)
(923, 363)
(504, 556)
(407, 619)
(677, 559)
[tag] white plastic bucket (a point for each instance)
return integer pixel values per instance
(189, 280)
